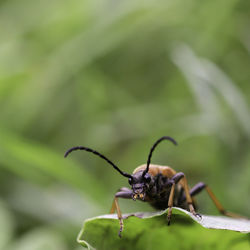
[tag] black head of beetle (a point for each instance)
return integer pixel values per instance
(140, 184)
(140, 181)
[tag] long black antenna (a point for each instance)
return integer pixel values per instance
(153, 148)
(100, 155)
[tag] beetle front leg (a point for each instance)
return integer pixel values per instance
(124, 193)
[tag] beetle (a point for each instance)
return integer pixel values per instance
(161, 186)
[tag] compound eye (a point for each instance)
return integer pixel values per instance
(147, 178)
(130, 181)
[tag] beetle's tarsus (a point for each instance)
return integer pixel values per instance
(120, 231)
(169, 219)
(197, 215)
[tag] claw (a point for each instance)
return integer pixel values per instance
(169, 219)
(121, 229)
(169, 215)
(198, 215)
(120, 233)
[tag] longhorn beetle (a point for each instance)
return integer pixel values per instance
(161, 186)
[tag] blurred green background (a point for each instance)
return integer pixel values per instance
(115, 76)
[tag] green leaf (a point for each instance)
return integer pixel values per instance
(150, 231)
(6, 225)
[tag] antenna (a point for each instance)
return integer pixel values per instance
(153, 148)
(100, 155)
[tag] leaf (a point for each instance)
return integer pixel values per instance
(6, 225)
(150, 231)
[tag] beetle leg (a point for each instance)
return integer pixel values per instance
(123, 193)
(170, 202)
(199, 187)
(184, 184)
(125, 189)
(175, 179)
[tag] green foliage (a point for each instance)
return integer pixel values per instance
(151, 232)
(6, 226)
